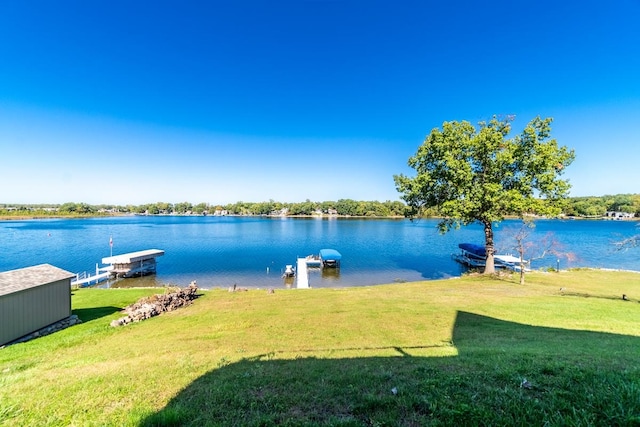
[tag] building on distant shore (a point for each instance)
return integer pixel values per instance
(619, 215)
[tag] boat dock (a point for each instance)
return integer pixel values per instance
(132, 264)
(125, 265)
(326, 258)
(302, 275)
(84, 279)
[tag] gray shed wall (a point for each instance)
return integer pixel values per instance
(34, 308)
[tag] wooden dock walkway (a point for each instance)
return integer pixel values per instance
(86, 279)
(302, 275)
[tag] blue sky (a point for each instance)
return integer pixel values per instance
(223, 101)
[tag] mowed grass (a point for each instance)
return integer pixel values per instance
(430, 353)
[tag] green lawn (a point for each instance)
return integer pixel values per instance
(429, 353)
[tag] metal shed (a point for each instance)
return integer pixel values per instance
(32, 298)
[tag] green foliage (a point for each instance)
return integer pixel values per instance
(77, 208)
(305, 208)
(343, 207)
(182, 208)
(598, 206)
(200, 208)
(479, 175)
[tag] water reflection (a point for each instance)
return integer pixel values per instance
(329, 273)
(289, 282)
(150, 281)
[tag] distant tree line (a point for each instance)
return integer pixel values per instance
(44, 210)
(594, 207)
(342, 207)
(584, 207)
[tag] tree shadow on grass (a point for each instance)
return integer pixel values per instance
(93, 313)
(504, 374)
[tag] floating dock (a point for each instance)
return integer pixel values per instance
(134, 263)
(302, 275)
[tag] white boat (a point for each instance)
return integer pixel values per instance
(510, 262)
(471, 255)
(289, 271)
(326, 258)
(313, 261)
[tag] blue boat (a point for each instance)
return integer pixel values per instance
(330, 258)
(475, 256)
(471, 255)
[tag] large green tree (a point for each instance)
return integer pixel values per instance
(476, 174)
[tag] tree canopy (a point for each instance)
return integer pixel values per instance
(478, 175)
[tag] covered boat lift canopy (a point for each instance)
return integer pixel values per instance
(477, 250)
(330, 257)
(475, 256)
(134, 263)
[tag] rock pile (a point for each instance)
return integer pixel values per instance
(157, 304)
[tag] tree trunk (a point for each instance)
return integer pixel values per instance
(521, 253)
(489, 267)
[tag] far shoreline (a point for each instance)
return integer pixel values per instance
(116, 215)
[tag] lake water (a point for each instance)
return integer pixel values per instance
(253, 251)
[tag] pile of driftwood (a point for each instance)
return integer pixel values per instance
(157, 304)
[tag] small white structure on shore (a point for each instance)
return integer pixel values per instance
(619, 215)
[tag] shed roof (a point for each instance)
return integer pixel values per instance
(31, 277)
(133, 257)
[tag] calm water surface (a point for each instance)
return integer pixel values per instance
(252, 252)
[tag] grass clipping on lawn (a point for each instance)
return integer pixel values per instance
(564, 349)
